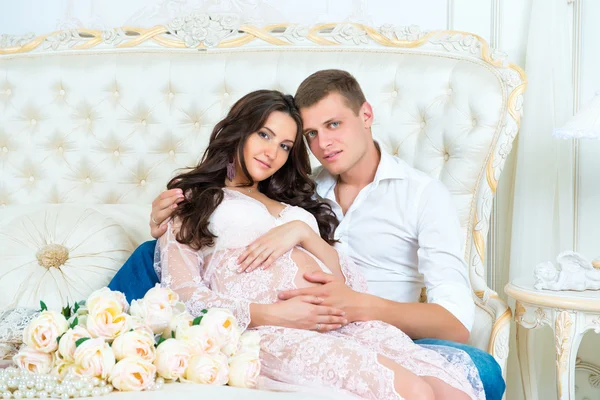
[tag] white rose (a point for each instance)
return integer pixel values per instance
(132, 374)
(250, 343)
(183, 319)
(244, 370)
(172, 358)
(104, 294)
(94, 358)
(41, 334)
(81, 315)
(208, 369)
(62, 368)
(222, 324)
(32, 360)
(156, 314)
(199, 339)
(106, 319)
(134, 343)
(137, 324)
(159, 295)
(66, 347)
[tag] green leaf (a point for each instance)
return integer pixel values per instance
(173, 334)
(79, 341)
(74, 323)
(58, 339)
(204, 311)
(197, 321)
(160, 340)
(43, 306)
(66, 311)
(75, 308)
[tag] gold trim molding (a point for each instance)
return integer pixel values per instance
(563, 345)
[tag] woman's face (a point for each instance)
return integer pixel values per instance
(266, 150)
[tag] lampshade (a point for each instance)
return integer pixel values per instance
(584, 125)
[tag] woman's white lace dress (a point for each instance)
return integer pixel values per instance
(344, 360)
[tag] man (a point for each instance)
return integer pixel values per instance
(396, 223)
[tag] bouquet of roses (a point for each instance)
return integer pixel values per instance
(103, 343)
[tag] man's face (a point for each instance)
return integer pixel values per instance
(335, 134)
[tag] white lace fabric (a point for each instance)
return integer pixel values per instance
(12, 325)
(345, 360)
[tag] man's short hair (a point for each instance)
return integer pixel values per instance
(320, 84)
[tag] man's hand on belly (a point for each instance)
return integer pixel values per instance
(300, 312)
(334, 293)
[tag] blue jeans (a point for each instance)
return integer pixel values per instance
(489, 370)
(137, 276)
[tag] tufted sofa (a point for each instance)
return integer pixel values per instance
(93, 124)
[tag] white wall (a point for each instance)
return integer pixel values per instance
(503, 23)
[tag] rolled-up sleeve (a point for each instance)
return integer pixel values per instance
(440, 254)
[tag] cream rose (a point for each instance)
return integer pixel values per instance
(62, 368)
(221, 324)
(183, 319)
(134, 343)
(157, 315)
(199, 339)
(159, 295)
(106, 319)
(42, 333)
(244, 370)
(208, 369)
(94, 358)
(137, 324)
(33, 360)
(103, 295)
(250, 343)
(66, 347)
(172, 359)
(132, 374)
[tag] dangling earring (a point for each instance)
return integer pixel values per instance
(231, 170)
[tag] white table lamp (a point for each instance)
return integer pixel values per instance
(584, 125)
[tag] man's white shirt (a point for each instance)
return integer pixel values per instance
(403, 231)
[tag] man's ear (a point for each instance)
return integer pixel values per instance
(366, 113)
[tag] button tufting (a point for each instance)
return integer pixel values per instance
(88, 180)
(196, 125)
(5, 149)
(171, 95)
(143, 182)
(8, 92)
(62, 92)
(225, 94)
(394, 93)
(31, 178)
(116, 153)
(88, 121)
(60, 149)
(116, 93)
(423, 124)
(144, 122)
(446, 156)
(449, 92)
(171, 153)
(474, 122)
(33, 122)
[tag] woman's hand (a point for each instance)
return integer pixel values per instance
(162, 208)
(272, 245)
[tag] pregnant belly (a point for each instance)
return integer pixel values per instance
(305, 263)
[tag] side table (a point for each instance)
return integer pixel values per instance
(569, 313)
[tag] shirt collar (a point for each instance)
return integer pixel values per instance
(389, 168)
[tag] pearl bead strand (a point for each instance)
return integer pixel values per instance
(20, 384)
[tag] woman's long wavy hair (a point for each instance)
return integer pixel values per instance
(291, 184)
